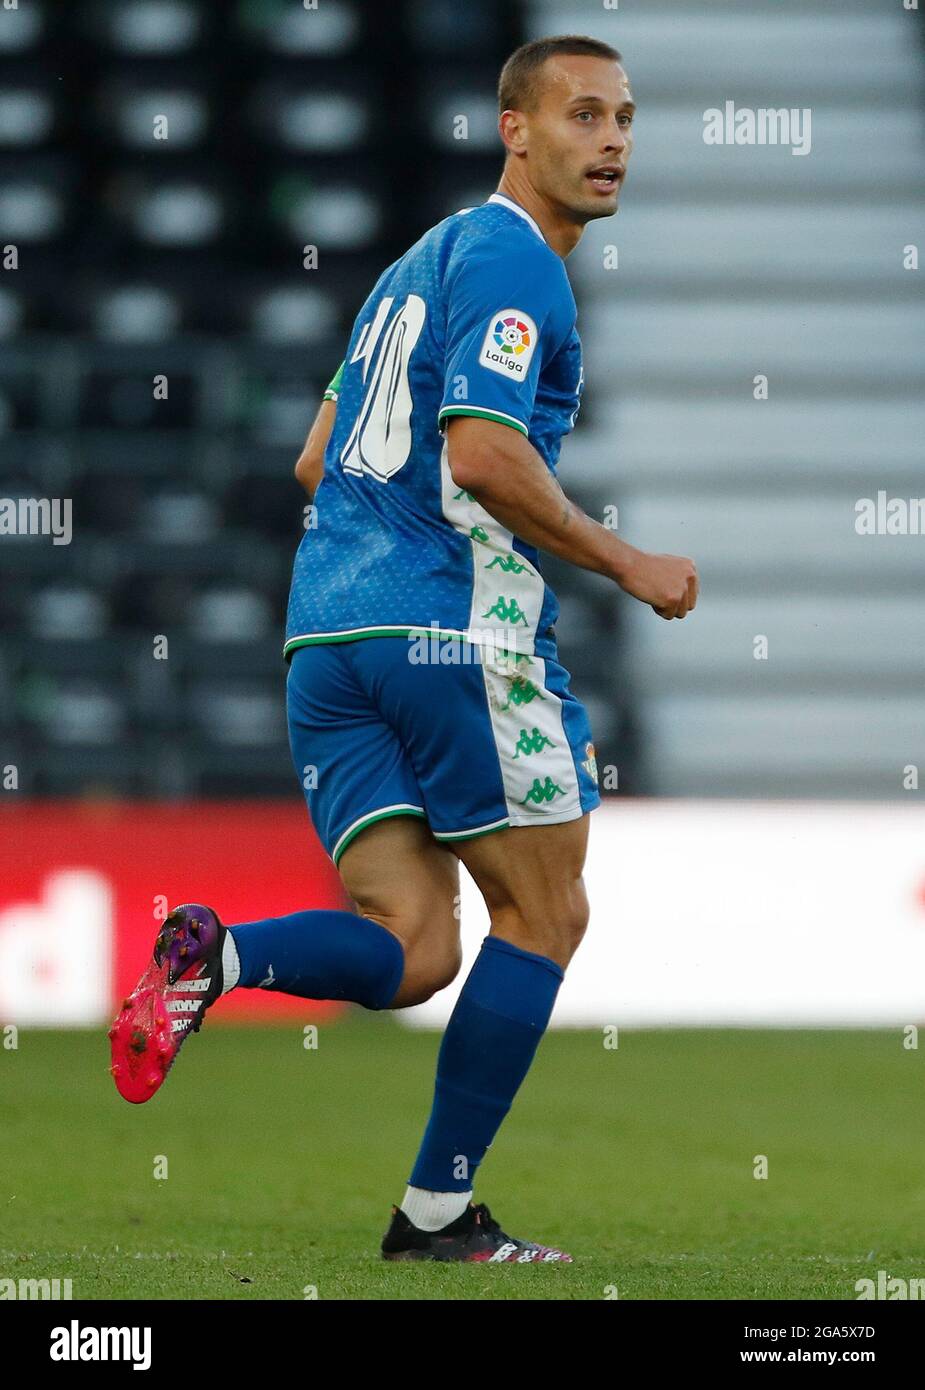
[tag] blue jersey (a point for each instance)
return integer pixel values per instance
(477, 318)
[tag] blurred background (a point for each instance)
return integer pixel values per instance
(164, 164)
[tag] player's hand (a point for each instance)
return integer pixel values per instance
(668, 583)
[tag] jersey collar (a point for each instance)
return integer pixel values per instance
(521, 212)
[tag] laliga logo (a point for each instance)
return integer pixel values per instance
(510, 341)
(512, 335)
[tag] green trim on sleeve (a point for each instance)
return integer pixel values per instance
(482, 414)
(333, 390)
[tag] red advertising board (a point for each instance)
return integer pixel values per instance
(83, 886)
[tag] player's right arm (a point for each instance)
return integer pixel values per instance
(506, 475)
(309, 468)
(520, 289)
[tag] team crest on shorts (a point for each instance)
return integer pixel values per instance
(510, 341)
(589, 762)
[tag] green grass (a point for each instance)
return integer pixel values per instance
(283, 1163)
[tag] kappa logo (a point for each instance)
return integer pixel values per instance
(509, 345)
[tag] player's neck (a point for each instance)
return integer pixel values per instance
(562, 234)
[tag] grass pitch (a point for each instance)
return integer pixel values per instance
(282, 1164)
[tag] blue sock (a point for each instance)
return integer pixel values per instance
(491, 1038)
(322, 954)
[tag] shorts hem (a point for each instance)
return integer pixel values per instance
(511, 821)
(383, 813)
(471, 834)
(561, 819)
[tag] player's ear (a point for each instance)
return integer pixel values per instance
(512, 127)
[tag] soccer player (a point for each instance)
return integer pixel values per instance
(424, 684)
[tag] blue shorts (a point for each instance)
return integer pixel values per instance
(471, 744)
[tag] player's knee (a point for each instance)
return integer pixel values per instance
(428, 969)
(552, 928)
(433, 955)
(441, 974)
(570, 925)
(577, 931)
(579, 915)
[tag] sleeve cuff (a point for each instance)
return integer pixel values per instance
(481, 413)
(333, 390)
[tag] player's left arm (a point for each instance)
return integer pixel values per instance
(309, 468)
